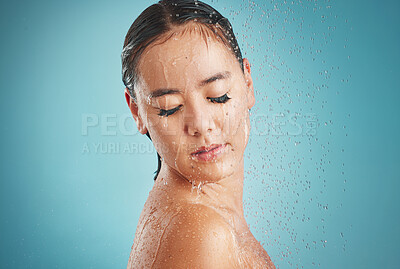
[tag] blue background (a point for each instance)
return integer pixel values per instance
(320, 185)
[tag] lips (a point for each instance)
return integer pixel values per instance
(208, 153)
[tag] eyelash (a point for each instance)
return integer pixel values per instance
(221, 100)
(169, 112)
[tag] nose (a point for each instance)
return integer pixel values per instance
(198, 120)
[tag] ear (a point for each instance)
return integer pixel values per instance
(249, 84)
(135, 112)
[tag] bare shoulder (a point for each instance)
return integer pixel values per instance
(188, 235)
(196, 237)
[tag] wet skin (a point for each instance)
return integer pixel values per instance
(194, 100)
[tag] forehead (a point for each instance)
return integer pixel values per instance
(183, 56)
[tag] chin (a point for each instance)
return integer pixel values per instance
(208, 171)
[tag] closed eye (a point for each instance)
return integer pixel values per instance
(166, 113)
(222, 99)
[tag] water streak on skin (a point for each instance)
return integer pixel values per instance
(148, 219)
(161, 237)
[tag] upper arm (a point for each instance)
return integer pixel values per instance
(196, 237)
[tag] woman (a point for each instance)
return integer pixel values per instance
(190, 91)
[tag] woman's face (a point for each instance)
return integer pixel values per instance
(193, 99)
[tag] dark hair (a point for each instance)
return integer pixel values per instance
(160, 18)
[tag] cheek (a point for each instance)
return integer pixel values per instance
(235, 118)
(162, 126)
(169, 126)
(166, 136)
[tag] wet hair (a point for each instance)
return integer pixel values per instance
(161, 18)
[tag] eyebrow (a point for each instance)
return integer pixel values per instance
(220, 75)
(161, 92)
(217, 76)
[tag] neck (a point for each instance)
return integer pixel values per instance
(225, 195)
